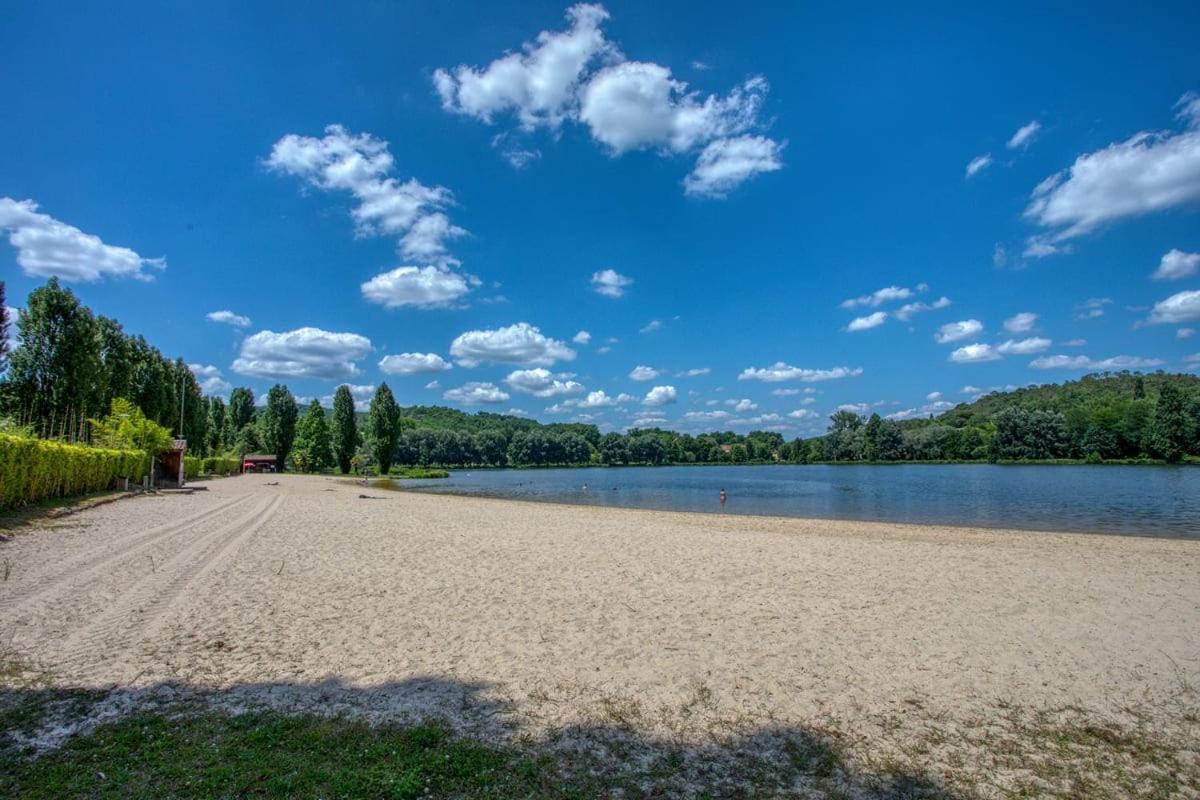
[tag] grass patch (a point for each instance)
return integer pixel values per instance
(12, 519)
(417, 472)
(212, 754)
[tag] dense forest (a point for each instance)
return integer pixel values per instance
(65, 367)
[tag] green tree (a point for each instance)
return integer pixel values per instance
(311, 451)
(345, 428)
(241, 408)
(217, 427)
(246, 441)
(383, 422)
(3, 330)
(55, 373)
(277, 424)
(126, 428)
(1170, 424)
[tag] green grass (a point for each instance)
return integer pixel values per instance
(417, 472)
(211, 754)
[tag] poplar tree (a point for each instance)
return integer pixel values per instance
(345, 428)
(277, 425)
(383, 420)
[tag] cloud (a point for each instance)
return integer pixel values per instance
(1085, 363)
(978, 164)
(957, 331)
(1146, 173)
(360, 164)
(880, 296)
(476, 393)
(1024, 347)
(210, 379)
(929, 409)
(434, 384)
(301, 353)
(228, 318)
(974, 353)
(743, 405)
(793, 392)
(420, 287)
(1181, 307)
(1074, 343)
(1021, 323)
(728, 163)
(48, 248)
(1185, 333)
(539, 84)
(706, 416)
(867, 322)
(1176, 265)
(659, 396)
(1024, 135)
(413, 363)
(1092, 308)
(695, 372)
(580, 76)
(599, 400)
(999, 256)
(643, 373)
(541, 382)
(779, 372)
(933, 396)
(521, 344)
(803, 413)
(517, 412)
(1043, 246)
(610, 283)
(583, 337)
(906, 311)
(651, 326)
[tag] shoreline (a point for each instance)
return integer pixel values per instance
(398, 486)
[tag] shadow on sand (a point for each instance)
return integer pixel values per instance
(608, 757)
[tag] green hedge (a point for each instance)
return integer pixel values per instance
(37, 469)
(194, 466)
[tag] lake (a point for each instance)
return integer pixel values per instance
(1149, 501)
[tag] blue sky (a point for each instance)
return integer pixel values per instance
(696, 189)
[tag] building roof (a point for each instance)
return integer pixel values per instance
(258, 457)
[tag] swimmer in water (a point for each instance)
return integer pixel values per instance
(723, 498)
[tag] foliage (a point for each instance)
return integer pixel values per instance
(311, 451)
(36, 469)
(417, 472)
(3, 330)
(195, 466)
(247, 441)
(241, 408)
(383, 424)
(126, 428)
(345, 437)
(277, 424)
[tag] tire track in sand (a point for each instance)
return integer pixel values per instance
(88, 564)
(142, 609)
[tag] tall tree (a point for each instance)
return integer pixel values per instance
(241, 408)
(1170, 424)
(217, 442)
(345, 428)
(56, 374)
(192, 414)
(3, 330)
(383, 420)
(277, 424)
(311, 451)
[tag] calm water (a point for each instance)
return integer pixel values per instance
(1151, 501)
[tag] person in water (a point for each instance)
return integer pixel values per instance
(723, 498)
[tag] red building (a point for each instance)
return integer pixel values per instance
(258, 462)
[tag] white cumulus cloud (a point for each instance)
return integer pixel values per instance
(725, 164)
(228, 318)
(780, 371)
(643, 373)
(419, 287)
(975, 353)
(211, 381)
(301, 353)
(541, 382)
(1024, 347)
(957, 331)
(867, 322)
(1178, 308)
(610, 283)
(413, 363)
(583, 337)
(1176, 265)
(521, 344)
(1147, 172)
(1085, 363)
(476, 393)
(660, 396)
(1021, 323)
(48, 248)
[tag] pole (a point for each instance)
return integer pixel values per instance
(181, 396)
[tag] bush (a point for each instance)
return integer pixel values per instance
(32, 470)
(417, 472)
(194, 466)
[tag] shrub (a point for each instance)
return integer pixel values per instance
(194, 466)
(32, 470)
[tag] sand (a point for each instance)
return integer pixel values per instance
(522, 617)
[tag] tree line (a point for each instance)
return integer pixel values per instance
(70, 365)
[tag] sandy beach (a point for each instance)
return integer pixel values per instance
(510, 618)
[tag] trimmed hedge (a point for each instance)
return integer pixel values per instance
(38, 469)
(194, 466)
